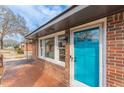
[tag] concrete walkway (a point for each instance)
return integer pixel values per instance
(21, 73)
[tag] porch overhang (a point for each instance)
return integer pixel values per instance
(75, 16)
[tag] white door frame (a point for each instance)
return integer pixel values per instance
(101, 23)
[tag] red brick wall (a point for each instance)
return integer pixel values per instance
(115, 50)
(27, 47)
(67, 59)
(34, 49)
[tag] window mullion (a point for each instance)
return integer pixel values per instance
(43, 48)
(39, 48)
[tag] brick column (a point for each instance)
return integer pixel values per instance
(67, 57)
(35, 49)
(115, 50)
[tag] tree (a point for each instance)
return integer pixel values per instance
(11, 24)
(10, 43)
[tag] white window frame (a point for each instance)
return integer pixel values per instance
(101, 23)
(56, 49)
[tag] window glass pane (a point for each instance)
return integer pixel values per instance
(41, 48)
(61, 43)
(49, 47)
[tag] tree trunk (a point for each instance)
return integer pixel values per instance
(1, 43)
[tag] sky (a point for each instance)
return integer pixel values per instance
(36, 15)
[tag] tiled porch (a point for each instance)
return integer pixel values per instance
(19, 73)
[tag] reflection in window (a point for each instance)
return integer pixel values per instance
(41, 54)
(49, 48)
(91, 35)
(61, 46)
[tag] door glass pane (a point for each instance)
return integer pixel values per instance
(86, 52)
(49, 47)
(61, 45)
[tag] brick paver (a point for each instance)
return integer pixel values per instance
(22, 74)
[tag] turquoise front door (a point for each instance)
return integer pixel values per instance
(86, 56)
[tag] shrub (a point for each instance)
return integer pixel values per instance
(18, 50)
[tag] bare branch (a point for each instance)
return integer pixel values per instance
(11, 23)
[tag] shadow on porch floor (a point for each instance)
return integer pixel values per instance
(22, 74)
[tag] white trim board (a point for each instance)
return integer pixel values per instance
(102, 66)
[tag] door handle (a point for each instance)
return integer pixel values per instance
(71, 58)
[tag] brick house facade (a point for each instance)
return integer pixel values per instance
(115, 50)
(112, 53)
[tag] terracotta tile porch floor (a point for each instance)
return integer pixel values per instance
(22, 74)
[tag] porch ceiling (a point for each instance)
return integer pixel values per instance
(85, 15)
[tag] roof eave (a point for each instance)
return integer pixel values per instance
(73, 9)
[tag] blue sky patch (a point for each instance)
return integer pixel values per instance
(37, 15)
